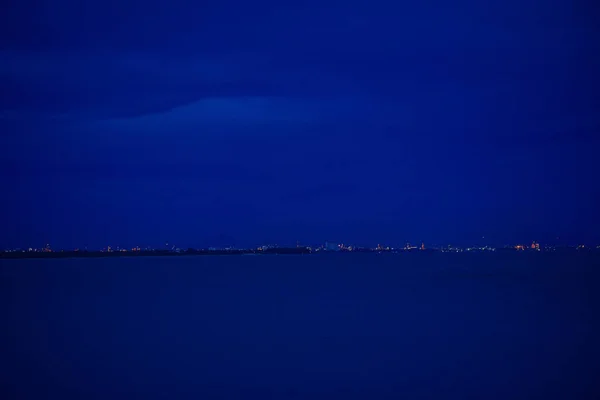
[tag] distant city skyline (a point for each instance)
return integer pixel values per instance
(326, 246)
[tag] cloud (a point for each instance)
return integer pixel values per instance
(267, 114)
(190, 67)
(107, 84)
(218, 110)
(104, 85)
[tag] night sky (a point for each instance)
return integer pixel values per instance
(211, 123)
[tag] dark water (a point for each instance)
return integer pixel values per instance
(412, 326)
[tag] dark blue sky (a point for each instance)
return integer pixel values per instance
(236, 122)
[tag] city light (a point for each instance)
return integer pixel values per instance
(327, 247)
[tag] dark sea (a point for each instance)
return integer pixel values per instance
(347, 326)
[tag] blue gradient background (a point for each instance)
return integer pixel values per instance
(235, 123)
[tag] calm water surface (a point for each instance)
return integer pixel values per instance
(413, 326)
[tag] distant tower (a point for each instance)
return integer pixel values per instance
(422, 246)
